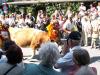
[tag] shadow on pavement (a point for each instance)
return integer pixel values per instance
(94, 59)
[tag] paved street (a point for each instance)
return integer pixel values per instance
(94, 54)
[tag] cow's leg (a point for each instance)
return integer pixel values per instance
(32, 45)
(1, 42)
(34, 52)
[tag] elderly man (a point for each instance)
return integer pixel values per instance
(66, 62)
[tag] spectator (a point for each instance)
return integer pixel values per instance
(82, 67)
(67, 26)
(11, 20)
(21, 22)
(82, 7)
(85, 71)
(69, 12)
(6, 44)
(66, 62)
(27, 21)
(95, 31)
(48, 54)
(14, 55)
(92, 8)
(86, 28)
(98, 7)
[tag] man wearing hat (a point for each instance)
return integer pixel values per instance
(82, 9)
(66, 62)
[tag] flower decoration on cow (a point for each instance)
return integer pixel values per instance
(53, 29)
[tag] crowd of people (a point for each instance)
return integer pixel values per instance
(86, 21)
(70, 63)
(74, 28)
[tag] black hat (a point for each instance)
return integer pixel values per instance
(75, 35)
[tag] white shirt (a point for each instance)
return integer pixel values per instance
(7, 20)
(67, 25)
(82, 8)
(98, 7)
(28, 21)
(11, 21)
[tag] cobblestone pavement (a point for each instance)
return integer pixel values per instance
(94, 54)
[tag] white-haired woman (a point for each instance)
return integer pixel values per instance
(48, 53)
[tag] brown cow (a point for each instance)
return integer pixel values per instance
(1, 41)
(28, 36)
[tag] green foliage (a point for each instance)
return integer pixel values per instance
(49, 8)
(75, 6)
(12, 8)
(9, 0)
(29, 9)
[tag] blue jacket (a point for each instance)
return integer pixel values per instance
(33, 69)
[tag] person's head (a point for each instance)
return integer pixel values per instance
(84, 70)
(82, 4)
(14, 54)
(49, 53)
(74, 39)
(27, 16)
(7, 44)
(81, 57)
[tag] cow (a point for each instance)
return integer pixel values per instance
(1, 42)
(28, 36)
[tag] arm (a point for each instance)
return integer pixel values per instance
(65, 48)
(65, 61)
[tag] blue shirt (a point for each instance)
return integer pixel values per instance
(67, 61)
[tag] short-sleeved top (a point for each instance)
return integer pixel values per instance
(67, 25)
